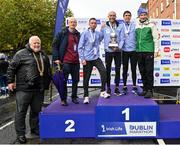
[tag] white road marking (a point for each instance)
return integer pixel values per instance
(161, 142)
(7, 124)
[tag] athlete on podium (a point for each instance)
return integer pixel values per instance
(147, 47)
(128, 39)
(88, 49)
(112, 50)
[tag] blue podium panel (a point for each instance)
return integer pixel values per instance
(75, 120)
(129, 108)
(169, 125)
(126, 116)
(67, 125)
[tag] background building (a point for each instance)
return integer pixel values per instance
(166, 9)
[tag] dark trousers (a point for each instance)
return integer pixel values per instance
(146, 68)
(87, 69)
(132, 56)
(109, 56)
(73, 70)
(23, 101)
(3, 85)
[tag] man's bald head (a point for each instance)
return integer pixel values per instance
(112, 16)
(35, 43)
(111, 13)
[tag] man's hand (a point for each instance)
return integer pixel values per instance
(103, 25)
(83, 62)
(11, 86)
(57, 62)
(156, 54)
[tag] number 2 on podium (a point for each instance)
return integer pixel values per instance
(70, 126)
(126, 112)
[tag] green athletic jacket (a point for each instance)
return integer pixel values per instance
(147, 38)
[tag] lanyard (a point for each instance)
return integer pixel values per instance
(93, 35)
(113, 29)
(127, 29)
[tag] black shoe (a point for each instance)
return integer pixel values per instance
(35, 132)
(149, 94)
(109, 90)
(75, 101)
(20, 140)
(64, 103)
(143, 93)
(135, 90)
(116, 91)
(124, 91)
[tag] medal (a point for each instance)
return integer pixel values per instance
(40, 69)
(127, 29)
(41, 74)
(93, 36)
(92, 40)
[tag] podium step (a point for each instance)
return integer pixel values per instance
(128, 107)
(127, 115)
(75, 120)
(169, 125)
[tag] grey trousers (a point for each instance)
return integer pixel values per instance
(23, 101)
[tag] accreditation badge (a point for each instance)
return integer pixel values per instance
(75, 47)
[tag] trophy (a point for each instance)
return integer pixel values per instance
(113, 44)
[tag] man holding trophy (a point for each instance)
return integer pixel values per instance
(112, 50)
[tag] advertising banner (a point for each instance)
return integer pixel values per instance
(166, 66)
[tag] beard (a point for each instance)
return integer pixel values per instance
(36, 49)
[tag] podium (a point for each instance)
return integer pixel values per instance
(73, 121)
(128, 116)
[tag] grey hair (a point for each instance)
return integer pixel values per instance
(32, 38)
(72, 19)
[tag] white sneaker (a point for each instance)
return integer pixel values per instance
(104, 94)
(86, 100)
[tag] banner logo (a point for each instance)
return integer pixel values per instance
(164, 81)
(166, 75)
(177, 55)
(165, 61)
(95, 81)
(166, 23)
(165, 43)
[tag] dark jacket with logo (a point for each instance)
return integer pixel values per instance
(60, 44)
(24, 71)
